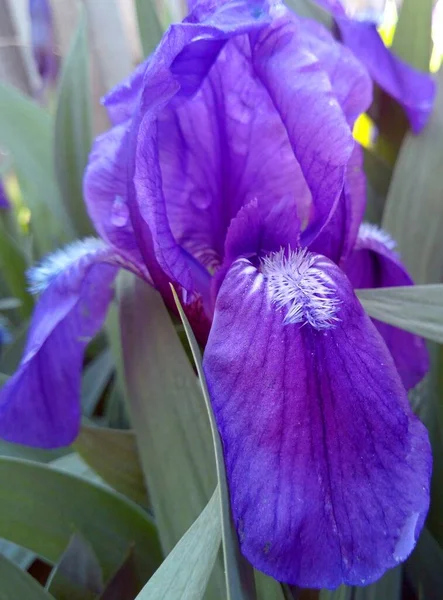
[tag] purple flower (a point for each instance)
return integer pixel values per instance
(4, 200)
(231, 171)
(414, 91)
(42, 39)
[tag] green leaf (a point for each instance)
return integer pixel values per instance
(62, 503)
(413, 213)
(113, 455)
(413, 33)
(77, 574)
(95, 379)
(19, 585)
(167, 413)
(185, 572)
(73, 135)
(418, 308)
(149, 25)
(26, 131)
(267, 587)
(13, 266)
(239, 573)
(424, 568)
(379, 175)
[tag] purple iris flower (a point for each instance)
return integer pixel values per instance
(414, 91)
(42, 39)
(231, 171)
(4, 200)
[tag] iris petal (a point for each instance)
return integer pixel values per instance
(415, 91)
(302, 94)
(327, 467)
(373, 264)
(105, 190)
(337, 239)
(40, 403)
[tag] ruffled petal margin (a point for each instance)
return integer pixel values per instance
(40, 403)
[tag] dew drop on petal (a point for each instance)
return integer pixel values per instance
(119, 212)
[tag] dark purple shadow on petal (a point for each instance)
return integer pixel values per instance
(328, 469)
(371, 265)
(337, 239)
(40, 403)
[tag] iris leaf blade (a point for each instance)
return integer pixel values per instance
(113, 455)
(26, 132)
(62, 502)
(413, 212)
(16, 583)
(73, 123)
(239, 573)
(167, 413)
(412, 38)
(185, 572)
(418, 309)
(149, 25)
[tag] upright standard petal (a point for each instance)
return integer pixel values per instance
(328, 468)
(337, 240)
(372, 264)
(105, 188)
(414, 91)
(302, 93)
(40, 403)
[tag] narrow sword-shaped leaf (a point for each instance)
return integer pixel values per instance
(418, 309)
(185, 573)
(239, 573)
(149, 25)
(167, 412)
(413, 213)
(73, 135)
(26, 131)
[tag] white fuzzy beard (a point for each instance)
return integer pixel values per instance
(296, 281)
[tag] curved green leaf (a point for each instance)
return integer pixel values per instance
(418, 308)
(239, 573)
(185, 572)
(44, 507)
(167, 413)
(17, 584)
